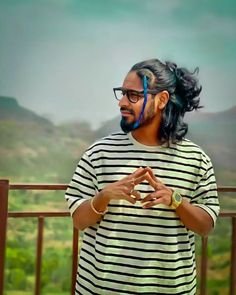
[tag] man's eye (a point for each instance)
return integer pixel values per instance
(134, 94)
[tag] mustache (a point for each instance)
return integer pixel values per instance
(127, 110)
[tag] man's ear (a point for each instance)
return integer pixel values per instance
(163, 98)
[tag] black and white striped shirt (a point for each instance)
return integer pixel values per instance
(134, 250)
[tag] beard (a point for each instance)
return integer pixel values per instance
(126, 126)
(130, 126)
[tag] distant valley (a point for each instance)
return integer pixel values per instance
(32, 148)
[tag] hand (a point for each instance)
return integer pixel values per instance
(124, 188)
(161, 195)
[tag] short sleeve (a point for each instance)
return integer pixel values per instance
(205, 195)
(83, 185)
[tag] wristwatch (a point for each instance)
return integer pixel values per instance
(176, 200)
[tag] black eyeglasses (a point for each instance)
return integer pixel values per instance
(132, 95)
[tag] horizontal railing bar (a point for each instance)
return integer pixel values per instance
(67, 213)
(55, 186)
(227, 214)
(225, 189)
(37, 186)
(41, 213)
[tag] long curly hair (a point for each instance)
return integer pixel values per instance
(183, 89)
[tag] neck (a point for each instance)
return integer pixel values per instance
(148, 134)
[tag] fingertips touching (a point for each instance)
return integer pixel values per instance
(131, 200)
(147, 198)
(136, 194)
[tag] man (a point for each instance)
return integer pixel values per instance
(140, 195)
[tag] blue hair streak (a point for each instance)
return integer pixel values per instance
(145, 87)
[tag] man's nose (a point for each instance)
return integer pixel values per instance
(124, 101)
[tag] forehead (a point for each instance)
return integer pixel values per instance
(132, 81)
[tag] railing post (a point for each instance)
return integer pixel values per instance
(74, 259)
(233, 259)
(203, 266)
(39, 255)
(4, 188)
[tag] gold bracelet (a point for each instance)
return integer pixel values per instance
(95, 211)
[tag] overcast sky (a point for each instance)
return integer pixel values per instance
(61, 58)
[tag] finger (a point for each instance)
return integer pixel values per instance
(126, 190)
(156, 184)
(136, 173)
(128, 194)
(150, 171)
(129, 198)
(136, 194)
(149, 179)
(157, 179)
(130, 184)
(143, 177)
(152, 203)
(153, 196)
(131, 192)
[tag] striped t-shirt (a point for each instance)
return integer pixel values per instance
(134, 250)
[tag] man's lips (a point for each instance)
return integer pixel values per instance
(125, 112)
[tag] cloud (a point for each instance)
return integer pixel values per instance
(63, 57)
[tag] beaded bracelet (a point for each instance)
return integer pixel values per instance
(95, 211)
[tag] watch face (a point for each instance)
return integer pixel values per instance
(177, 197)
(176, 200)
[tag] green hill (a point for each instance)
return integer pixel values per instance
(215, 132)
(34, 149)
(11, 110)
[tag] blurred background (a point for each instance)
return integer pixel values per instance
(59, 60)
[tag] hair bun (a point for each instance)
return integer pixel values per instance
(187, 87)
(171, 66)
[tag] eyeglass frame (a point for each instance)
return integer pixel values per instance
(136, 92)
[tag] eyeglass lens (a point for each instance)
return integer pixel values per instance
(131, 95)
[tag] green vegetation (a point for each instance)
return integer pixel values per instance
(34, 150)
(21, 244)
(56, 268)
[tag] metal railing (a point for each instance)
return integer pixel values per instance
(5, 186)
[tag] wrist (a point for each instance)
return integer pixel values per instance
(99, 203)
(95, 210)
(103, 197)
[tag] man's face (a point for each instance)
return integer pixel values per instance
(130, 111)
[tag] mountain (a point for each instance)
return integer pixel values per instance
(11, 110)
(33, 149)
(226, 115)
(197, 121)
(215, 132)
